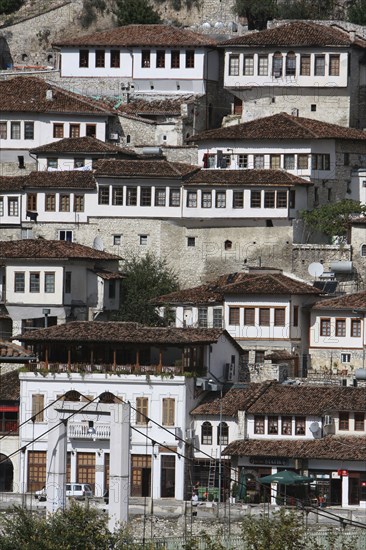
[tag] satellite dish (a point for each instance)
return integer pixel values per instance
(314, 427)
(316, 269)
(98, 243)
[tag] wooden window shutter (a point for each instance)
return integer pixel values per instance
(37, 407)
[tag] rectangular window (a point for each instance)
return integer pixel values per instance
(242, 161)
(112, 289)
(49, 282)
(281, 199)
(255, 199)
(269, 199)
(143, 240)
(32, 202)
(206, 199)
(209, 160)
(115, 59)
(300, 425)
(356, 328)
(191, 241)
(340, 328)
(15, 130)
(277, 65)
(91, 130)
(220, 199)
(13, 206)
(174, 197)
(248, 66)
(234, 315)
(1, 206)
(3, 130)
(64, 203)
(233, 65)
(34, 281)
(79, 162)
(52, 163)
(258, 162)
(324, 327)
(192, 199)
(275, 162)
(168, 411)
(295, 318)
(50, 203)
(142, 410)
(19, 281)
(202, 317)
(37, 467)
(58, 130)
(249, 316)
(175, 59)
(264, 316)
(302, 162)
(319, 67)
(145, 59)
(68, 282)
(160, 59)
(99, 58)
(259, 424)
(273, 424)
(334, 64)
(289, 162)
(117, 240)
(84, 58)
(291, 64)
(238, 199)
(279, 316)
(344, 421)
(292, 198)
(65, 235)
(103, 194)
(359, 421)
(305, 65)
(145, 198)
(262, 65)
(74, 130)
(28, 130)
(259, 357)
(217, 317)
(131, 198)
(78, 203)
(189, 59)
(320, 161)
(117, 196)
(286, 425)
(160, 196)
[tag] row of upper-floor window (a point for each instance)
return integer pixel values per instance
(345, 419)
(33, 281)
(222, 433)
(52, 200)
(274, 161)
(17, 129)
(174, 59)
(275, 425)
(280, 64)
(146, 196)
(340, 327)
(262, 316)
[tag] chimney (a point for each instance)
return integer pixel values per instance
(352, 35)
(49, 95)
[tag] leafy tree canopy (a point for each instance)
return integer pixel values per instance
(257, 13)
(10, 6)
(146, 278)
(357, 12)
(306, 9)
(333, 219)
(131, 12)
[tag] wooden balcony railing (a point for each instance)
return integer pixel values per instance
(159, 370)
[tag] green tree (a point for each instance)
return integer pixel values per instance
(10, 6)
(282, 531)
(333, 219)
(257, 13)
(145, 278)
(306, 9)
(357, 12)
(136, 12)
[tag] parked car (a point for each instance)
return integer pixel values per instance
(41, 495)
(78, 490)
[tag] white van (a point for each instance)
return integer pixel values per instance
(78, 490)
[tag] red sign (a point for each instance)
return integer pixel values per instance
(343, 473)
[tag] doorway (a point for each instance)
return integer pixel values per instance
(167, 476)
(6, 474)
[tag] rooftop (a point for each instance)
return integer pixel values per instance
(146, 168)
(246, 177)
(281, 126)
(57, 250)
(82, 145)
(348, 301)
(10, 386)
(67, 179)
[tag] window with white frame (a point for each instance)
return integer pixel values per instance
(233, 65)
(65, 235)
(145, 196)
(217, 317)
(345, 357)
(28, 130)
(223, 434)
(160, 196)
(3, 130)
(277, 64)
(242, 160)
(259, 161)
(202, 317)
(131, 196)
(220, 199)
(1, 206)
(143, 240)
(34, 281)
(13, 206)
(206, 433)
(192, 199)
(168, 411)
(248, 66)
(262, 65)
(290, 64)
(19, 281)
(49, 282)
(103, 194)
(206, 199)
(117, 196)
(174, 197)
(238, 199)
(289, 162)
(319, 65)
(117, 240)
(15, 130)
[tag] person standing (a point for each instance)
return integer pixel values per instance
(194, 503)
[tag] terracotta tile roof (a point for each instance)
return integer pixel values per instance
(68, 179)
(246, 177)
(358, 221)
(347, 301)
(8, 350)
(331, 447)
(142, 35)
(83, 145)
(309, 400)
(41, 249)
(296, 34)
(238, 283)
(28, 95)
(12, 183)
(110, 275)
(281, 126)
(10, 386)
(146, 168)
(98, 331)
(234, 400)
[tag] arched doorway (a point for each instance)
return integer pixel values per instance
(6, 474)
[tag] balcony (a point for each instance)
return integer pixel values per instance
(80, 430)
